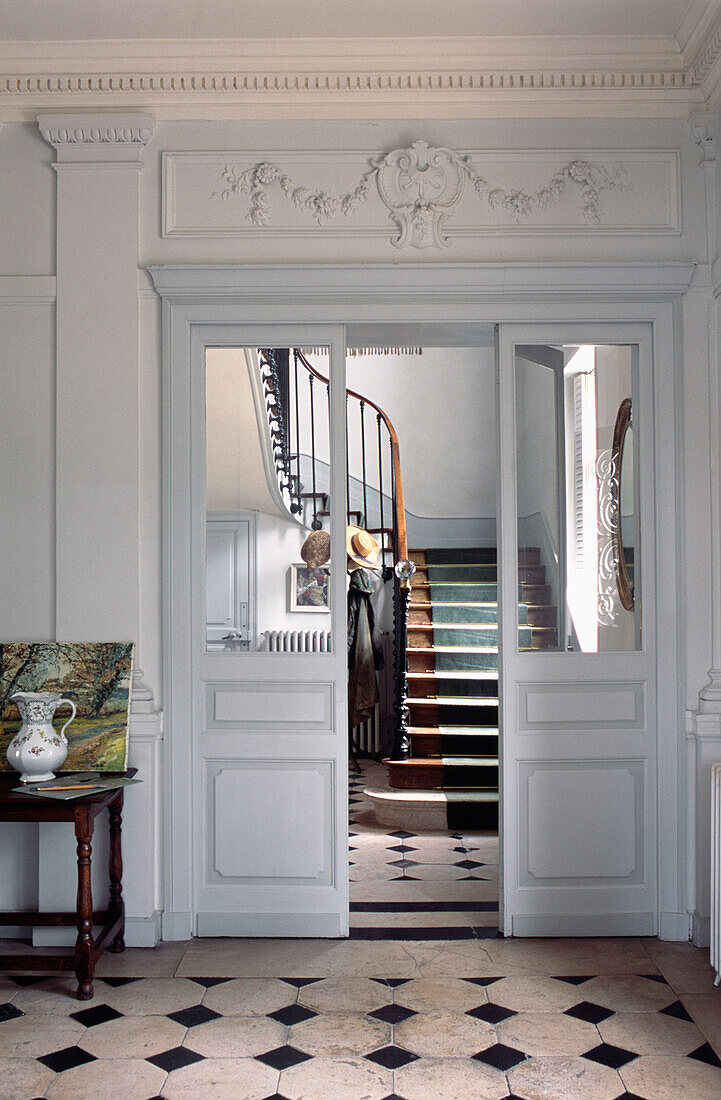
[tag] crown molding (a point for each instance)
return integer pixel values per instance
(558, 76)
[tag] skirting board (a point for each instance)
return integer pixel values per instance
(143, 931)
(674, 927)
(177, 926)
(282, 925)
(700, 930)
(561, 924)
(139, 932)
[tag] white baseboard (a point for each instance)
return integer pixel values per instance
(561, 924)
(674, 926)
(177, 926)
(143, 931)
(323, 925)
(700, 929)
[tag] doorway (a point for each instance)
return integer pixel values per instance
(576, 721)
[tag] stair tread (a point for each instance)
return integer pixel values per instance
(453, 649)
(408, 794)
(450, 761)
(453, 731)
(455, 674)
(457, 700)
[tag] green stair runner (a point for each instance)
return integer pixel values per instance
(454, 705)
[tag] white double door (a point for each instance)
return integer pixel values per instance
(269, 731)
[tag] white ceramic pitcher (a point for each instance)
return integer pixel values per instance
(38, 749)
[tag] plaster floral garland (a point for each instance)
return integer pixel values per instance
(420, 186)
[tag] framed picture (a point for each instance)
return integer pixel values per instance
(95, 675)
(309, 588)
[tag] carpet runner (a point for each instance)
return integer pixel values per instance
(453, 675)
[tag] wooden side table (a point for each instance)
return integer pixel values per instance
(88, 948)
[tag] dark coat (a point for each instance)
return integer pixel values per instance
(364, 650)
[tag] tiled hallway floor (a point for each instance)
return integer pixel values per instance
(343, 1020)
(408, 884)
(437, 1007)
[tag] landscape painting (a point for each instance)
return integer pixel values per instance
(95, 675)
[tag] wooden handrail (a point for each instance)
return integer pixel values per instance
(400, 512)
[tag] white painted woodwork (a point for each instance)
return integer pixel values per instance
(635, 303)
(581, 733)
(230, 581)
(259, 747)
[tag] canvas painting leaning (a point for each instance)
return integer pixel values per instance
(95, 675)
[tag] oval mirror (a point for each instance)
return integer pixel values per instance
(624, 492)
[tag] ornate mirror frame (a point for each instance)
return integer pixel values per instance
(623, 581)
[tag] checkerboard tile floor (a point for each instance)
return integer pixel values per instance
(528, 1036)
(417, 885)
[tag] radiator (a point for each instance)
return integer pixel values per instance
(716, 870)
(297, 641)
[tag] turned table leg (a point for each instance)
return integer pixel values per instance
(116, 908)
(85, 944)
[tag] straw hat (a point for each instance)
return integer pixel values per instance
(361, 547)
(315, 551)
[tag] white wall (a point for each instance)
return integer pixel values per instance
(442, 405)
(27, 378)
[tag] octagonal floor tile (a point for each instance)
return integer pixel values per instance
(154, 996)
(33, 1036)
(672, 1078)
(346, 1079)
(249, 996)
(107, 1080)
(221, 1079)
(628, 993)
(451, 1079)
(132, 1037)
(444, 1034)
(344, 994)
(23, 1077)
(340, 1034)
(533, 994)
(440, 994)
(235, 1037)
(540, 1034)
(564, 1079)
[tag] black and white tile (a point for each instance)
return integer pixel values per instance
(605, 1037)
(417, 885)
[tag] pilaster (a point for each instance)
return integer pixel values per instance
(99, 158)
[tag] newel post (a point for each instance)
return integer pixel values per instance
(404, 570)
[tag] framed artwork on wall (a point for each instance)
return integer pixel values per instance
(96, 676)
(309, 588)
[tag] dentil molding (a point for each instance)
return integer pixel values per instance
(556, 76)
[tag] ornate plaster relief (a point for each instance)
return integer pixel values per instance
(430, 193)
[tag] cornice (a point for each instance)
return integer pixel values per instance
(651, 75)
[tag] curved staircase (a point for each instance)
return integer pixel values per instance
(453, 680)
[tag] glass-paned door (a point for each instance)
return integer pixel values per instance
(578, 630)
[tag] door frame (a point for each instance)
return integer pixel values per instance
(424, 293)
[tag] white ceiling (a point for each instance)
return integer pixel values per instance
(68, 20)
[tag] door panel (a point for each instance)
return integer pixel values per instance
(579, 709)
(269, 728)
(228, 567)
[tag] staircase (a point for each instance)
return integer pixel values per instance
(452, 656)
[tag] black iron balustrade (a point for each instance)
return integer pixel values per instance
(294, 438)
